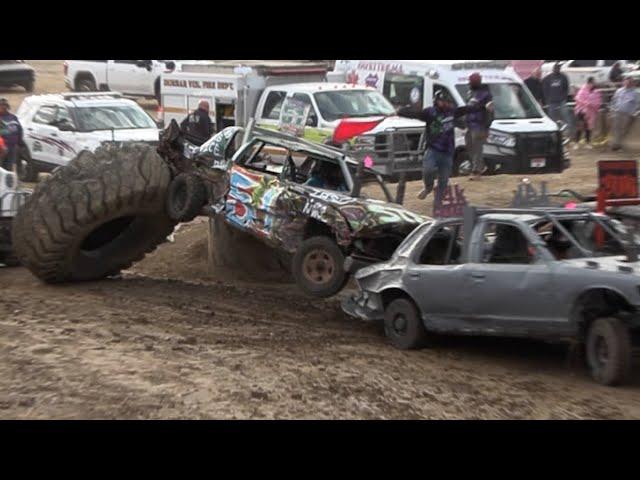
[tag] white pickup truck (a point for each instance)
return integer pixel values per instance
(130, 77)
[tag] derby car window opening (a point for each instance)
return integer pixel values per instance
(397, 88)
(337, 104)
(414, 238)
(112, 117)
(511, 101)
(312, 119)
(581, 232)
(368, 178)
(273, 104)
(331, 173)
(505, 243)
(260, 160)
(444, 247)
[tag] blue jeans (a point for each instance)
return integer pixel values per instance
(440, 164)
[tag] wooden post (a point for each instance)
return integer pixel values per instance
(402, 184)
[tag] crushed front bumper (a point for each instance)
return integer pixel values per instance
(364, 305)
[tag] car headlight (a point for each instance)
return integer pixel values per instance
(501, 139)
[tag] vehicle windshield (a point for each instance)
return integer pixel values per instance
(112, 117)
(352, 103)
(510, 100)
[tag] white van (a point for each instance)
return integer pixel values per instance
(522, 138)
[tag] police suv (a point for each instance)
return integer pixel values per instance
(59, 126)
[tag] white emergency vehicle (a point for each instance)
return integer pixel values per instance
(57, 127)
(522, 138)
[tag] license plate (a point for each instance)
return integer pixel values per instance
(538, 162)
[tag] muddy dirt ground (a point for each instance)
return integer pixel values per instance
(171, 339)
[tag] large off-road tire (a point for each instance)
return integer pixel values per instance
(609, 351)
(186, 197)
(403, 325)
(318, 267)
(95, 216)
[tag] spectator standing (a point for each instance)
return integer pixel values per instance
(555, 90)
(197, 126)
(438, 159)
(624, 105)
(11, 133)
(478, 119)
(615, 75)
(534, 84)
(588, 101)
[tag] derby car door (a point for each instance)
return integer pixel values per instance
(254, 189)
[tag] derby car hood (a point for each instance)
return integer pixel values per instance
(367, 215)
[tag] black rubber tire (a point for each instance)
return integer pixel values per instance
(338, 276)
(186, 196)
(28, 172)
(413, 335)
(617, 339)
(95, 216)
(9, 260)
(86, 84)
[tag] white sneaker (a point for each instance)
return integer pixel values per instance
(576, 146)
(589, 146)
(423, 194)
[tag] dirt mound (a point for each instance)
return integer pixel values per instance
(238, 257)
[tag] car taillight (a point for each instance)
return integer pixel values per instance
(65, 66)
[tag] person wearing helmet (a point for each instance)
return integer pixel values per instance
(479, 118)
(438, 158)
(11, 133)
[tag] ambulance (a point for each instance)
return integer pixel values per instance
(522, 138)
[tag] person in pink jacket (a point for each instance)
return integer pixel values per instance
(588, 101)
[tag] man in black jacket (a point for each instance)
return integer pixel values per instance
(534, 84)
(197, 126)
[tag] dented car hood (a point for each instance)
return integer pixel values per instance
(365, 215)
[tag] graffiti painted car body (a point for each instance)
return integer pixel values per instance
(301, 198)
(516, 273)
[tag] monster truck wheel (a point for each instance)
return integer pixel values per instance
(186, 197)
(318, 267)
(9, 260)
(609, 351)
(403, 325)
(95, 216)
(27, 172)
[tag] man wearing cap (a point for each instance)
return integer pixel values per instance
(11, 133)
(479, 118)
(555, 88)
(197, 126)
(438, 159)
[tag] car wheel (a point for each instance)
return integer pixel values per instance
(186, 196)
(609, 351)
(27, 172)
(318, 267)
(86, 84)
(403, 325)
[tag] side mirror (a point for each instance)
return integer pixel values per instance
(144, 64)
(170, 66)
(312, 121)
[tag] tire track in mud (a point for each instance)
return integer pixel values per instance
(144, 348)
